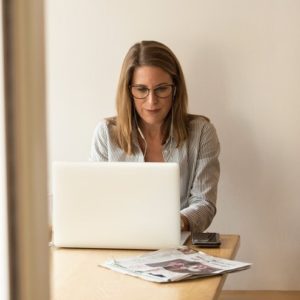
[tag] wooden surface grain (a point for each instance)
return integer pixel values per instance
(75, 275)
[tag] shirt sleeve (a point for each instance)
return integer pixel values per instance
(203, 194)
(99, 151)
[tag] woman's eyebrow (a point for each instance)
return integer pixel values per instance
(157, 85)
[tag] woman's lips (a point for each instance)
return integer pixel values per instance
(153, 111)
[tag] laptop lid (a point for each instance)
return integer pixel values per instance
(124, 205)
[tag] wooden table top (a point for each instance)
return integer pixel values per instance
(75, 275)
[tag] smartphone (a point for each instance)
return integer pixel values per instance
(206, 239)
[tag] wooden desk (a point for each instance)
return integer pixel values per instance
(76, 276)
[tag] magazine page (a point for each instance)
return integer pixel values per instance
(174, 264)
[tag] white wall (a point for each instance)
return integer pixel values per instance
(242, 65)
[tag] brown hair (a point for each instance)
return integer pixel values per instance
(149, 53)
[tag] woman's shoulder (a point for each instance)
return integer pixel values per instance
(203, 131)
(106, 125)
(107, 122)
(200, 124)
(197, 120)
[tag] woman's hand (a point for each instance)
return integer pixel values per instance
(185, 225)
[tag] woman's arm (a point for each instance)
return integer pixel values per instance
(203, 194)
(99, 151)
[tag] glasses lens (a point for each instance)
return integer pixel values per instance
(139, 92)
(163, 91)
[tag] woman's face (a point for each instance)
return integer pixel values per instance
(152, 109)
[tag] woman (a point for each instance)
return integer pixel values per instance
(152, 125)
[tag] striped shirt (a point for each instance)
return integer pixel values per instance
(197, 159)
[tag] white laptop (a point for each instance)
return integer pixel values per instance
(124, 205)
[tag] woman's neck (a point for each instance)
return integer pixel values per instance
(150, 140)
(151, 132)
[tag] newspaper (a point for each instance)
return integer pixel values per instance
(177, 264)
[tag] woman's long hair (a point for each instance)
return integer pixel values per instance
(150, 53)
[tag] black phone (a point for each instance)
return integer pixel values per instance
(206, 239)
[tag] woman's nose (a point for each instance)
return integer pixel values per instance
(152, 98)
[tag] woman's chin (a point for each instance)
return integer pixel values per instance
(153, 121)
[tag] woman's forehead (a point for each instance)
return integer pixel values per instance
(150, 75)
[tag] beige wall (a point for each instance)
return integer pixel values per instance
(242, 64)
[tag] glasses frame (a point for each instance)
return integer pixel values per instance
(148, 90)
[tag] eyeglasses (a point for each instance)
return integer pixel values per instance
(141, 91)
